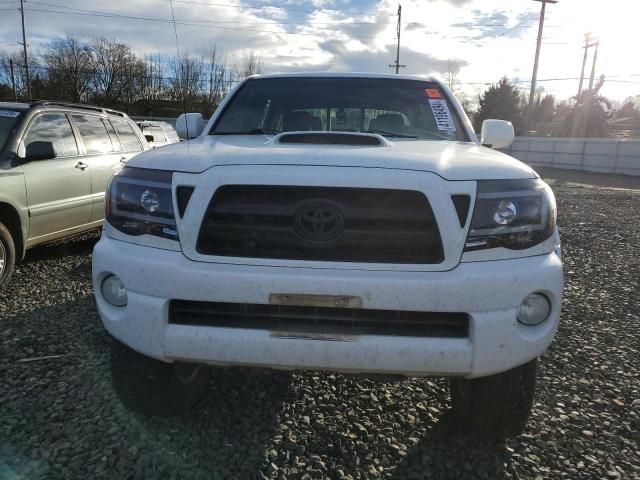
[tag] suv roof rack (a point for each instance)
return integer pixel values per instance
(80, 106)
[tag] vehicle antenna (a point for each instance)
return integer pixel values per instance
(184, 105)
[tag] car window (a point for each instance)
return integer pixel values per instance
(94, 134)
(113, 136)
(8, 120)
(54, 128)
(396, 108)
(158, 134)
(171, 134)
(128, 138)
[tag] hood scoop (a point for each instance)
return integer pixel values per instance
(330, 138)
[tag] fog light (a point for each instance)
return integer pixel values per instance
(534, 309)
(113, 291)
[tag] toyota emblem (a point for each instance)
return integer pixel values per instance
(319, 222)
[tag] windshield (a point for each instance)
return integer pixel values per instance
(8, 120)
(391, 107)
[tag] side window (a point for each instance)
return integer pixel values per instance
(94, 134)
(128, 138)
(158, 134)
(112, 135)
(54, 128)
(172, 135)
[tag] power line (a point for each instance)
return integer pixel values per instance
(190, 24)
(256, 7)
(215, 22)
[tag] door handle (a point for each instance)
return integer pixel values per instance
(82, 165)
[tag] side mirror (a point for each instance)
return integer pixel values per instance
(39, 150)
(150, 138)
(497, 133)
(189, 125)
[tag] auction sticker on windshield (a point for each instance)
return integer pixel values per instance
(9, 113)
(441, 113)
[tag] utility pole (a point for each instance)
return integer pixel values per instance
(397, 65)
(13, 79)
(537, 59)
(26, 57)
(593, 66)
(587, 46)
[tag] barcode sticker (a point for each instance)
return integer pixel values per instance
(441, 113)
(9, 113)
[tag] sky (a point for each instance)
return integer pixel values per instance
(483, 39)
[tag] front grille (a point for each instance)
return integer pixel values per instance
(319, 320)
(321, 223)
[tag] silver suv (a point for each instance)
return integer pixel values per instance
(56, 160)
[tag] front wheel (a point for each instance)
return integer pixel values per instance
(155, 388)
(7, 255)
(497, 406)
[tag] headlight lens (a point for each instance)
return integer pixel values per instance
(139, 202)
(514, 214)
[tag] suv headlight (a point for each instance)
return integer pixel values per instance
(139, 202)
(514, 214)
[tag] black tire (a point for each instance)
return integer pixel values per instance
(7, 256)
(155, 388)
(497, 406)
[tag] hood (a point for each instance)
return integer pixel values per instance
(450, 160)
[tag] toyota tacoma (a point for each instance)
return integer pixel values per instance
(344, 222)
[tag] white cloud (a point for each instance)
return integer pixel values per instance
(489, 38)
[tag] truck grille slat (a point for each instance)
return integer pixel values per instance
(321, 223)
(324, 320)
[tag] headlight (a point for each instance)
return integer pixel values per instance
(139, 202)
(514, 214)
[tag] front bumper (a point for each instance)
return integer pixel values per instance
(490, 292)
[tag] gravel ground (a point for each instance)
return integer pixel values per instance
(59, 417)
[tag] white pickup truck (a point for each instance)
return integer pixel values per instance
(347, 222)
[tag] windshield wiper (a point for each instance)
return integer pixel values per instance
(390, 134)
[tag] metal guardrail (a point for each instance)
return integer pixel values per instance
(602, 155)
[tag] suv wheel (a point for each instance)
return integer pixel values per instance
(497, 406)
(156, 388)
(7, 256)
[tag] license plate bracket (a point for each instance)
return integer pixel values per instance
(313, 300)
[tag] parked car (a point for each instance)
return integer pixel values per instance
(158, 134)
(335, 222)
(56, 160)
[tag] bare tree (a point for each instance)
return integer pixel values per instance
(9, 78)
(187, 79)
(217, 72)
(133, 82)
(250, 64)
(451, 75)
(153, 84)
(71, 69)
(114, 65)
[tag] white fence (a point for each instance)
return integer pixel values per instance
(589, 154)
